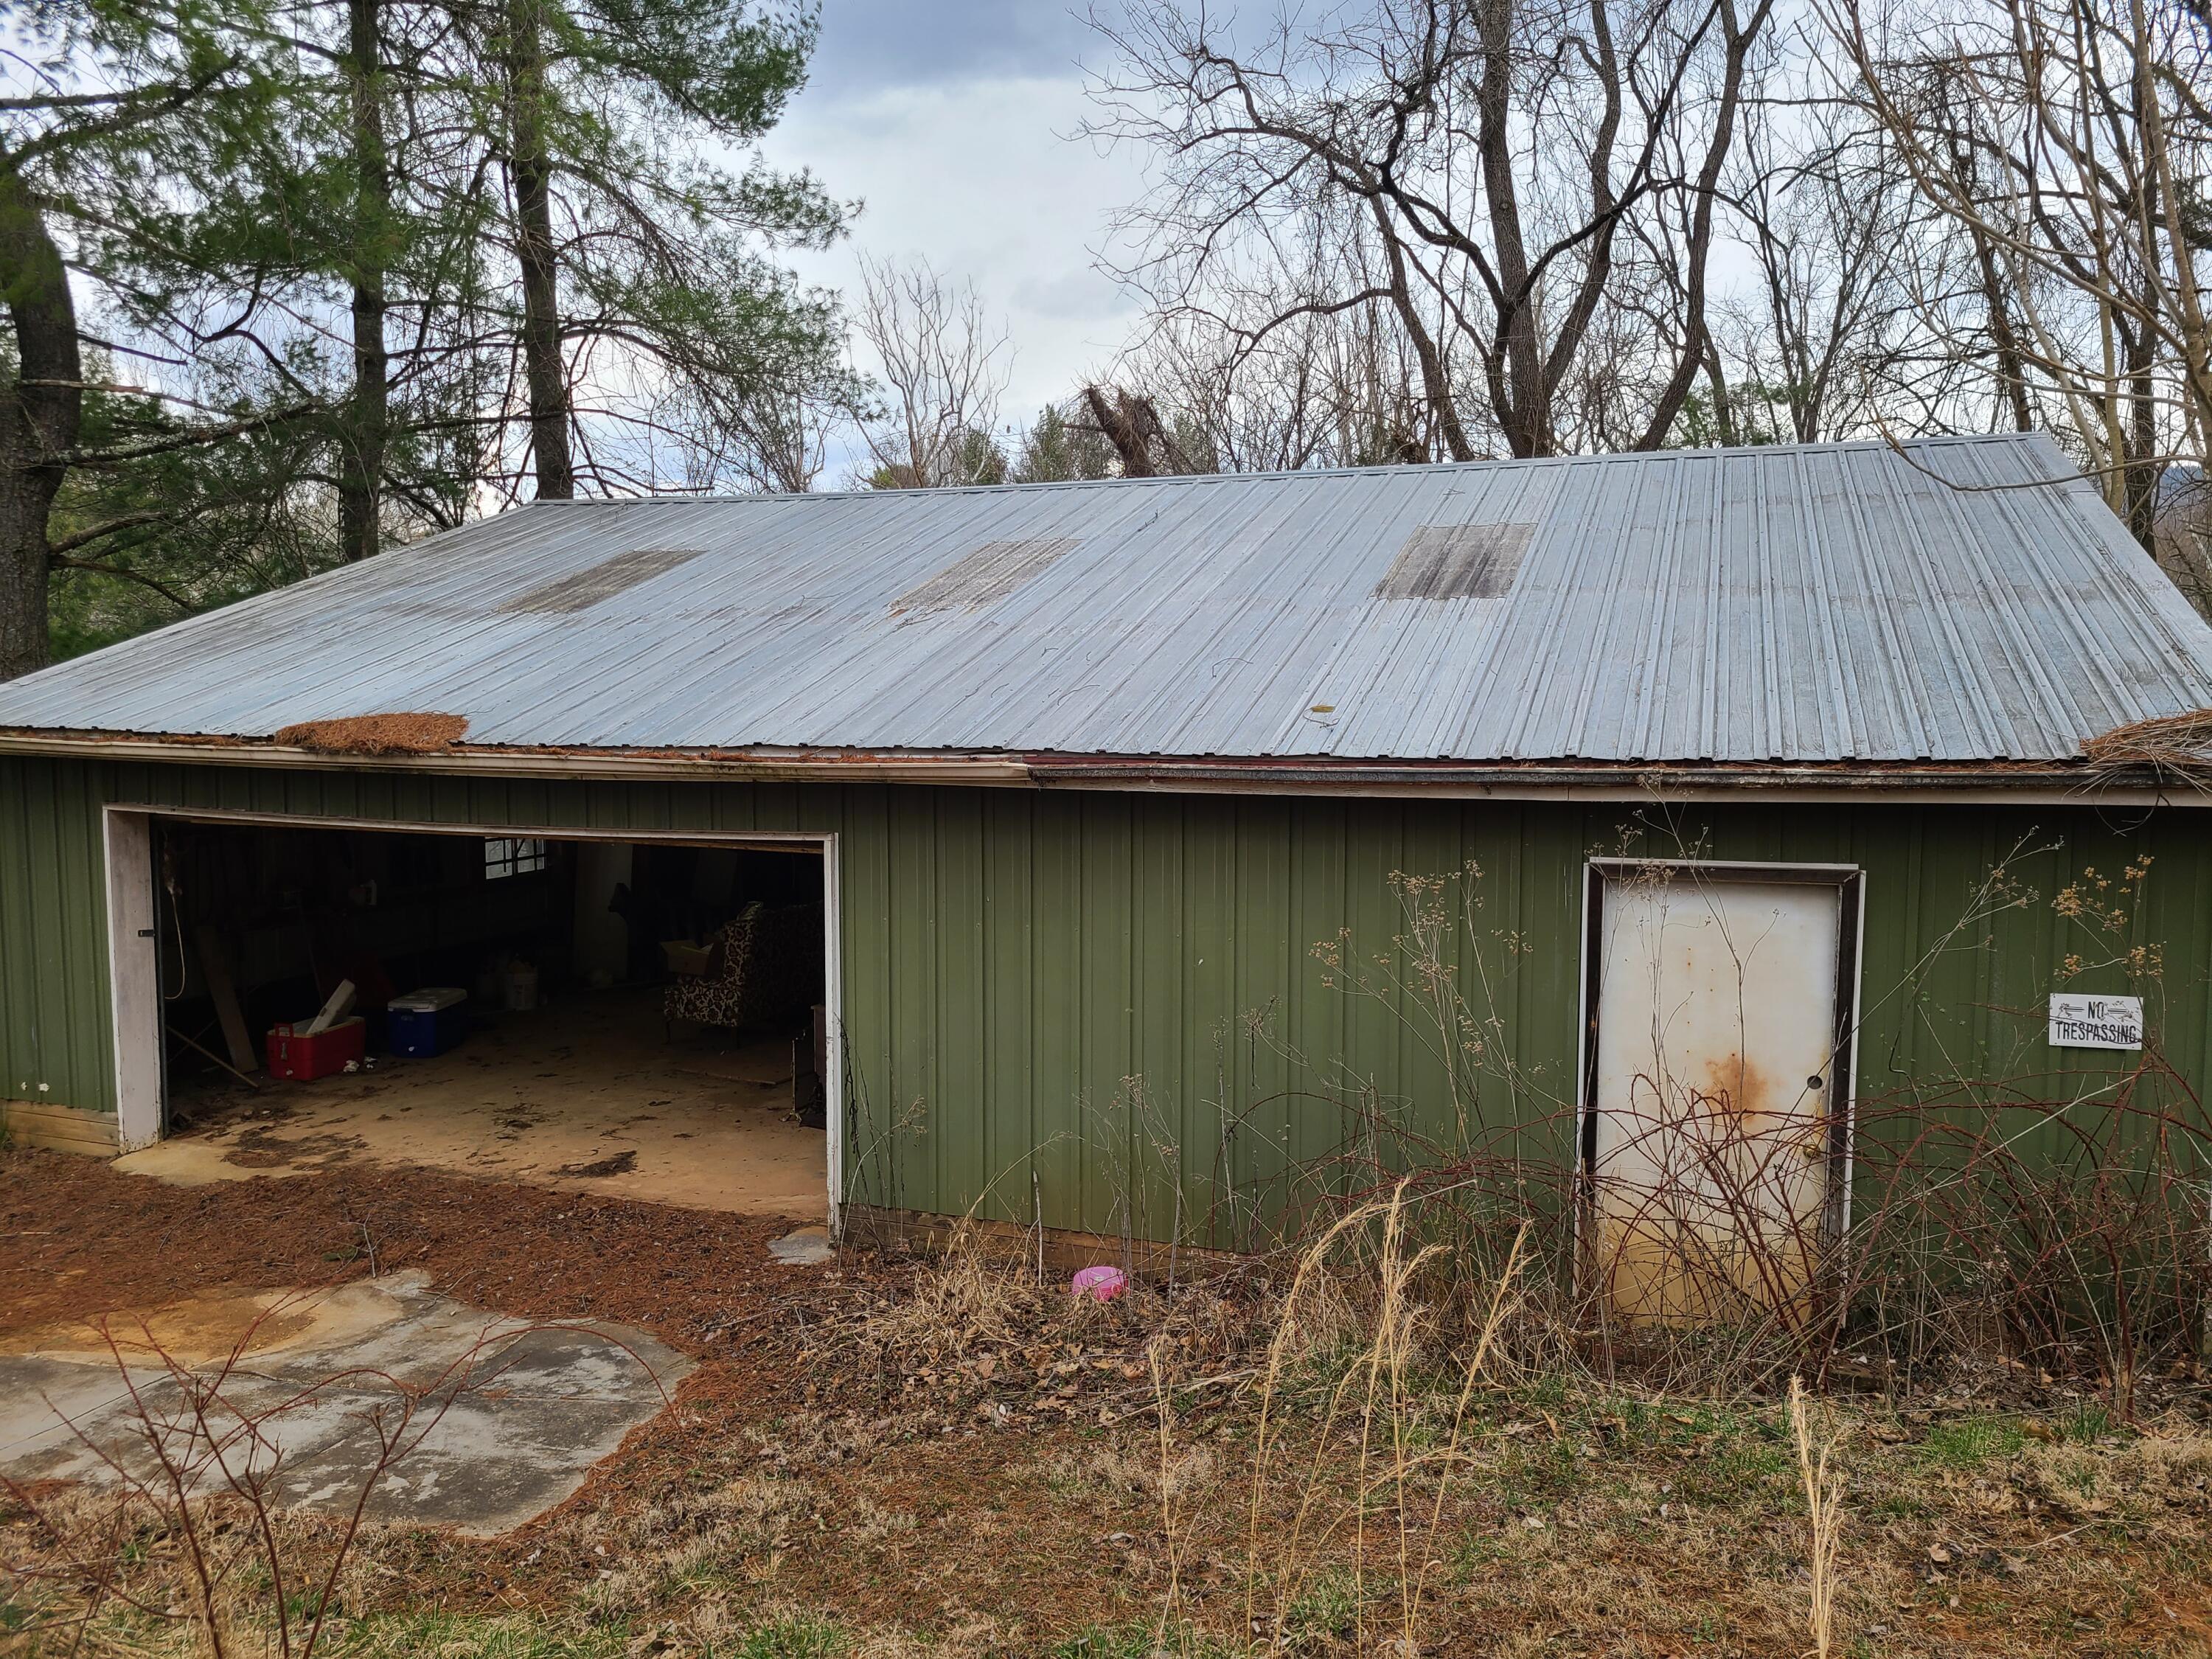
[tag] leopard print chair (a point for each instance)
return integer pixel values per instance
(764, 974)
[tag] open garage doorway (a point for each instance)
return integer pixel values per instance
(652, 1018)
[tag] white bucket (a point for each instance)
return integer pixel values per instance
(521, 989)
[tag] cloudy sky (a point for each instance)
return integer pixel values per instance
(954, 121)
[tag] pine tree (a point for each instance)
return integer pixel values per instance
(643, 267)
(400, 259)
(132, 120)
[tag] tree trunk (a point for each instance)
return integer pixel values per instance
(39, 416)
(1518, 389)
(534, 253)
(1122, 429)
(2012, 381)
(2143, 466)
(2010, 377)
(1676, 391)
(1436, 390)
(1724, 426)
(360, 466)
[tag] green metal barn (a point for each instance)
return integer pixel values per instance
(1167, 837)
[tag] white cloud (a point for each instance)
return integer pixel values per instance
(978, 176)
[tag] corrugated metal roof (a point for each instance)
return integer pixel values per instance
(1824, 603)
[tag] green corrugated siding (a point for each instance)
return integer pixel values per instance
(1054, 1000)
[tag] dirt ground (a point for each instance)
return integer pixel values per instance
(591, 1094)
(885, 1456)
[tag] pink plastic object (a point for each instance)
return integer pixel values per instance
(1099, 1284)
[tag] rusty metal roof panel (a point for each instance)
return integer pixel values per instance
(1958, 599)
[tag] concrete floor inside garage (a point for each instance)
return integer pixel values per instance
(591, 1091)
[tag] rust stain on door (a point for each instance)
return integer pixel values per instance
(1736, 1086)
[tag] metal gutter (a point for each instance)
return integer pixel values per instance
(1995, 784)
(1990, 783)
(755, 767)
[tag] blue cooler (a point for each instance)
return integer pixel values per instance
(426, 1022)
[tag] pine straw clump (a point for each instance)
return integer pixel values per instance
(2178, 743)
(377, 734)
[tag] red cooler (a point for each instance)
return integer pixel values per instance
(304, 1058)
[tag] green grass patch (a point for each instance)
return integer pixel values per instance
(407, 1635)
(1538, 1473)
(1325, 1609)
(1734, 1475)
(1474, 1552)
(1967, 1442)
(799, 1637)
(2086, 1425)
(1140, 1640)
(1709, 1630)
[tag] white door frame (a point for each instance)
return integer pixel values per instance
(135, 973)
(1849, 881)
(134, 977)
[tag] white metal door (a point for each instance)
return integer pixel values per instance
(1715, 1062)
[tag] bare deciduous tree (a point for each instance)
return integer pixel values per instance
(1338, 388)
(943, 365)
(1823, 341)
(1473, 173)
(2067, 143)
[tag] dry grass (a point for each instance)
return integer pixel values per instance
(1824, 1515)
(1398, 1481)
(1381, 1411)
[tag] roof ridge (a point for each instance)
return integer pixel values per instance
(1396, 468)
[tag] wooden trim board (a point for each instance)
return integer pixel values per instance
(58, 1128)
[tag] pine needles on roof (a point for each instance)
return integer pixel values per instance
(2177, 745)
(376, 734)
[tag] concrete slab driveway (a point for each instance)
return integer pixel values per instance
(496, 1420)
